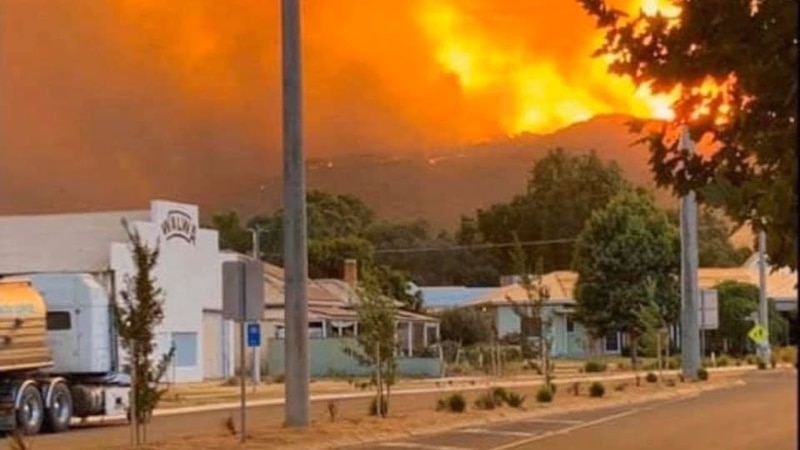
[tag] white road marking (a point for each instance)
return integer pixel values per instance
(555, 421)
(496, 432)
(567, 430)
(413, 445)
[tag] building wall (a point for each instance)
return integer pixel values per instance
(189, 273)
(569, 339)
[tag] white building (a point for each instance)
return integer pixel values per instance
(188, 271)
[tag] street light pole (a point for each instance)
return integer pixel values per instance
(763, 311)
(690, 330)
(294, 223)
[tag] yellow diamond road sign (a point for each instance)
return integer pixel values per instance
(758, 335)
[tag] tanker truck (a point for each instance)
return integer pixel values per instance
(58, 353)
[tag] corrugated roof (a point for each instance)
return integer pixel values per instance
(451, 296)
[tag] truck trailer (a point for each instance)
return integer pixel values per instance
(58, 353)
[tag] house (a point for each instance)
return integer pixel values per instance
(333, 326)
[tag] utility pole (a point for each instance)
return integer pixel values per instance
(256, 350)
(763, 311)
(295, 254)
(690, 330)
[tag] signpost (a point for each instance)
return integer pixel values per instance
(243, 301)
(708, 315)
(759, 335)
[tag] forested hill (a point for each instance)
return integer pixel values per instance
(442, 187)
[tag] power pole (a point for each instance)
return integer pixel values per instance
(763, 311)
(294, 222)
(256, 350)
(690, 329)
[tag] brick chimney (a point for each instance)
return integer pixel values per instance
(351, 272)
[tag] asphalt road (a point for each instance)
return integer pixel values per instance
(759, 415)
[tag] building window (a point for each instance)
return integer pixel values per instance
(185, 349)
(58, 321)
(612, 342)
(570, 325)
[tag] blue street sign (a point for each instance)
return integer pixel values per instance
(253, 335)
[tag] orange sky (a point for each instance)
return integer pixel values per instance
(145, 89)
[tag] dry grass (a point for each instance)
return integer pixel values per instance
(353, 426)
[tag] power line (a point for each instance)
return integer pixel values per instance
(447, 248)
(474, 246)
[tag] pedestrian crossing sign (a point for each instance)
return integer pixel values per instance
(758, 334)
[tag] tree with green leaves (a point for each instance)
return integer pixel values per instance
(464, 326)
(738, 302)
(714, 246)
(655, 323)
(623, 246)
(232, 234)
(748, 49)
(377, 321)
(140, 312)
(561, 193)
(535, 320)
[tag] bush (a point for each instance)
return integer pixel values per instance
(576, 389)
(622, 366)
(544, 395)
(786, 355)
(486, 401)
(515, 400)
(670, 382)
(454, 403)
(278, 378)
(762, 365)
(455, 369)
(702, 374)
(597, 389)
(752, 360)
(673, 363)
(534, 366)
(621, 387)
(723, 361)
(594, 366)
(373, 407)
(499, 394)
(651, 377)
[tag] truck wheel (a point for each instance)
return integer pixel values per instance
(59, 414)
(30, 414)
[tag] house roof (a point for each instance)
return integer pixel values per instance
(781, 285)
(327, 299)
(451, 296)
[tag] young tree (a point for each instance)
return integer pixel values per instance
(748, 49)
(655, 323)
(140, 312)
(623, 246)
(535, 321)
(377, 320)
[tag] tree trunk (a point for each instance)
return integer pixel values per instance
(634, 351)
(378, 381)
(658, 356)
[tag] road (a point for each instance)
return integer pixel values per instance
(762, 414)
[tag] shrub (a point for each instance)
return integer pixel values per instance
(597, 389)
(651, 377)
(752, 360)
(723, 361)
(681, 378)
(594, 366)
(702, 374)
(786, 354)
(454, 403)
(576, 388)
(486, 401)
(373, 407)
(553, 388)
(670, 382)
(455, 369)
(762, 365)
(278, 378)
(623, 366)
(621, 387)
(544, 395)
(534, 366)
(673, 363)
(499, 394)
(515, 400)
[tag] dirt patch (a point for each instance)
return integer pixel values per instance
(416, 415)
